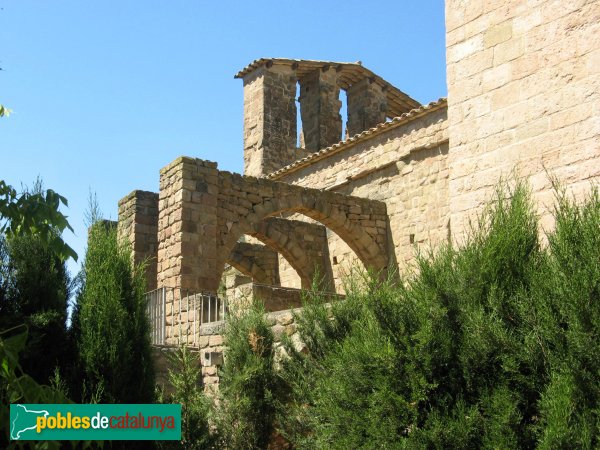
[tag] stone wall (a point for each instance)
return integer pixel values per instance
(367, 106)
(204, 212)
(187, 225)
(523, 91)
(269, 120)
(257, 261)
(302, 244)
(320, 109)
(138, 224)
(404, 164)
(211, 340)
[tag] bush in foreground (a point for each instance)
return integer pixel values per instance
(110, 324)
(185, 380)
(245, 410)
(493, 345)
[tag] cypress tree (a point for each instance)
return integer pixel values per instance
(110, 323)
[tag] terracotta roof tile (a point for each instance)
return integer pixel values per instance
(349, 74)
(342, 145)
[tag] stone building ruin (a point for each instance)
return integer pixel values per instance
(523, 91)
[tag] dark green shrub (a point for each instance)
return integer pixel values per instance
(37, 288)
(110, 323)
(570, 327)
(248, 386)
(493, 345)
(185, 378)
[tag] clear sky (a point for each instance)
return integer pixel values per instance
(107, 92)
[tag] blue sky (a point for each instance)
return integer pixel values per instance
(106, 93)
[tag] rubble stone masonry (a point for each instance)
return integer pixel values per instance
(138, 224)
(404, 165)
(203, 212)
(523, 98)
(270, 132)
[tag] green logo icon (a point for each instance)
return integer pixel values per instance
(95, 422)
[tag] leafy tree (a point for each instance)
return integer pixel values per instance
(33, 288)
(17, 387)
(35, 213)
(35, 285)
(37, 288)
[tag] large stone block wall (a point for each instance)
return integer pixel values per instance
(320, 109)
(138, 224)
(405, 166)
(270, 132)
(523, 91)
(304, 244)
(204, 212)
(257, 261)
(187, 225)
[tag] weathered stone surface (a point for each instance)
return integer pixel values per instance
(320, 109)
(367, 106)
(256, 261)
(269, 120)
(524, 93)
(193, 250)
(405, 167)
(304, 245)
(138, 224)
(532, 107)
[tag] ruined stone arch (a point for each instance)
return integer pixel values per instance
(333, 210)
(288, 250)
(212, 209)
(302, 244)
(250, 265)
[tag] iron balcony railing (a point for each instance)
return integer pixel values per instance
(176, 315)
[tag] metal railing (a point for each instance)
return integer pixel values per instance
(176, 315)
(156, 307)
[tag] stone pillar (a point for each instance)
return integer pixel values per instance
(187, 225)
(138, 224)
(367, 106)
(270, 132)
(320, 109)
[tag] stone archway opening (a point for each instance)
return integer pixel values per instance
(212, 209)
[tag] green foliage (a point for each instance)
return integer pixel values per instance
(570, 402)
(34, 288)
(185, 378)
(36, 291)
(110, 324)
(17, 387)
(4, 111)
(35, 213)
(249, 383)
(494, 345)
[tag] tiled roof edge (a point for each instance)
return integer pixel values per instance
(360, 137)
(262, 61)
